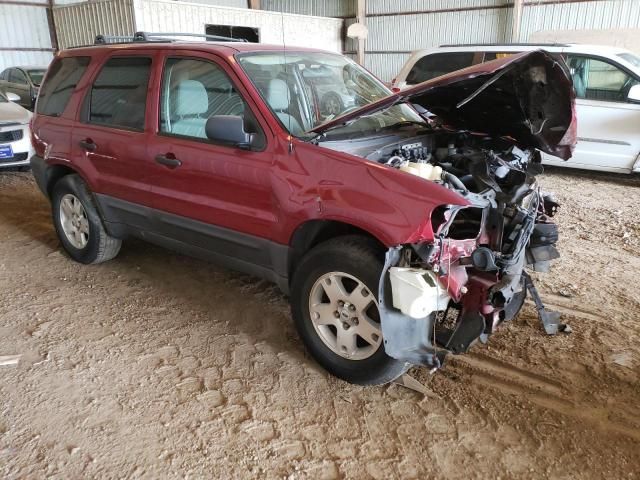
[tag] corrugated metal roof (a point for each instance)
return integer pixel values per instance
(411, 32)
(464, 21)
(387, 7)
(584, 15)
(322, 8)
(24, 26)
(423, 23)
(79, 24)
(24, 35)
(223, 3)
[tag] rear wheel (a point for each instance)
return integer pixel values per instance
(78, 223)
(335, 308)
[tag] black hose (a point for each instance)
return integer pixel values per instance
(455, 181)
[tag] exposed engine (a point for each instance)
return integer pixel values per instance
(472, 276)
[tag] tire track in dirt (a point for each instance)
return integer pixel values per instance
(526, 379)
(569, 304)
(572, 311)
(547, 393)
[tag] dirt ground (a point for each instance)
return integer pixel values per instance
(155, 365)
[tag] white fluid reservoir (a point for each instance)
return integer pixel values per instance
(416, 292)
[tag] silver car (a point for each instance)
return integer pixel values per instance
(15, 141)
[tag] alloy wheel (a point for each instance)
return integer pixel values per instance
(345, 315)
(74, 221)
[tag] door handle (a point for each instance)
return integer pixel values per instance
(168, 160)
(88, 144)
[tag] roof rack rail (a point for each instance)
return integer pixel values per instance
(504, 45)
(159, 37)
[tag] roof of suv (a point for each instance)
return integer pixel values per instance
(221, 47)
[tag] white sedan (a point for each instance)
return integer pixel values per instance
(15, 137)
(607, 86)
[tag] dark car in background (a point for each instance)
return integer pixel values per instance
(24, 82)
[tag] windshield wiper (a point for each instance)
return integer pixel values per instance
(404, 123)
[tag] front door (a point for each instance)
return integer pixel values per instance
(608, 123)
(212, 196)
(110, 141)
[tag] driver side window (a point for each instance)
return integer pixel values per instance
(595, 79)
(192, 91)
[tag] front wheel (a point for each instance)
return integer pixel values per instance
(78, 223)
(335, 309)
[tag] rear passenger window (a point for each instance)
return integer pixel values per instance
(119, 93)
(437, 64)
(62, 78)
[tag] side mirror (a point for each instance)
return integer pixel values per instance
(12, 97)
(634, 94)
(228, 129)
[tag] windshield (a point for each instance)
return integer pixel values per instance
(631, 58)
(306, 89)
(36, 76)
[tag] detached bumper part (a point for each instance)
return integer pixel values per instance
(409, 338)
(550, 320)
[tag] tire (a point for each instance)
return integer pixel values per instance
(358, 259)
(92, 244)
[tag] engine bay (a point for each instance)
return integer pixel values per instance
(461, 161)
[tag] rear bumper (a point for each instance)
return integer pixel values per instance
(39, 170)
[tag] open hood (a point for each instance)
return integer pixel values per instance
(527, 97)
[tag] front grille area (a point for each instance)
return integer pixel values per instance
(18, 157)
(11, 136)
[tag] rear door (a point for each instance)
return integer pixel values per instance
(213, 196)
(608, 123)
(110, 138)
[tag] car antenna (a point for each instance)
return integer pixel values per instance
(286, 78)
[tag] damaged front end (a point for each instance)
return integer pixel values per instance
(441, 296)
(463, 273)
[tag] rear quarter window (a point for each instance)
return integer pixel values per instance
(437, 64)
(64, 74)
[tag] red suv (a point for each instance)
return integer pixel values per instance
(400, 225)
